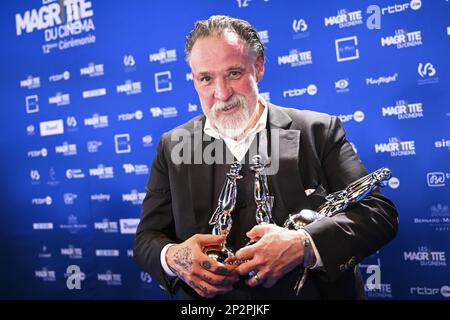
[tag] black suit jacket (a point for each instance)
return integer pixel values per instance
(314, 154)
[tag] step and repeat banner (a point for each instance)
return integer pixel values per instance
(88, 88)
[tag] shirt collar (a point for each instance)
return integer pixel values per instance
(259, 125)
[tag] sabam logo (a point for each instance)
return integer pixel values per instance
(311, 90)
(345, 18)
(111, 279)
(93, 146)
(396, 8)
(60, 99)
(404, 110)
(97, 121)
(122, 143)
(72, 253)
(74, 174)
(41, 201)
(30, 130)
(358, 116)
(296, 58)
(426, 257)
(138, 115)
(45, 275)
(66, 149)
(102, 172)
(43, 226)
(32, 103)
(107, 253)
(106, 226)
(443, 143)
(396, 147)
(50, 128)
(138, 169)
(94, 93)
(93, 70)
(134, 197)
(59, 76)
(31, 82)
(163, 56)
(100, 197)
(162, 81)
(192, 107)
(403, 39)
(341, 85)
(69, 198)
(265, 96)
(38, 153)
(264, 36)
(437, 179)
(346, 49)
(129, 87)
(426, 291)
(382, 80)
(166, 112)
(147, 141)
(128, 226)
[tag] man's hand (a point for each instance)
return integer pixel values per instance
(276, 252)
(205, 275)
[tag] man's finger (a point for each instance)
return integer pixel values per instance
(258, 231)
(246, 267)
(210, 239)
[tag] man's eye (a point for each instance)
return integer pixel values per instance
(235, 74)
(205, 79)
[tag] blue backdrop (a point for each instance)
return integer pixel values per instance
(88, 87)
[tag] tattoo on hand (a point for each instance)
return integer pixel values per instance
(206, 265)
(183, 258)
(205, 278)
(223, 271)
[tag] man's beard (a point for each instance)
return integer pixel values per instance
(232, 125)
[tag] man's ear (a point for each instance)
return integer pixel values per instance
(259, 66)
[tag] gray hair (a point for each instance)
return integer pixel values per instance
(216, 25)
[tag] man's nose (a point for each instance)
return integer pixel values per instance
(223, 91)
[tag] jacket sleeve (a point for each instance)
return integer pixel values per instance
(348, 237)
(156, 225)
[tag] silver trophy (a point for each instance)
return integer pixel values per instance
(335, 203)
(221, 220)
(263, 199)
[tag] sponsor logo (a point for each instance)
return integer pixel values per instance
(122, 143)
(403, 110)
(71, 123)
(42, 201)
(403, 39)
(264, 36)
(100, 197)
(60, 99)
(134, 197)
(97, 121)
(138, 115)
(163, 56)
(396, 147)
(102, 172)
(427, 291)
(439, 218)
(30, 130)
(347, 49)
(382, 80)
(50, 128)
(72, 252)
(110, 278)
(45, 275)
(397, 8)
(128, 226)
(296, 58)
(66, 149)
(93, 70)
(72, 225)
(30, 82)
(129, 87)
(358, 116)
(106, 226)
(45, 254)
(427, 73)
(310, 90)
(147, 140)
(265, 96)
(137, 169)
(38, 153)
(192, 107)
(166, 112)
(443, 143)
(163, 81)
(69, 198)
(189, 76)
(32, 103)
(74, 174)
(344, 19)
(59, 76)
(342, 85)
(426, 257)
(94, 93)
(42, 226)
(107, 253)
(93, 146)
(437, 179)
